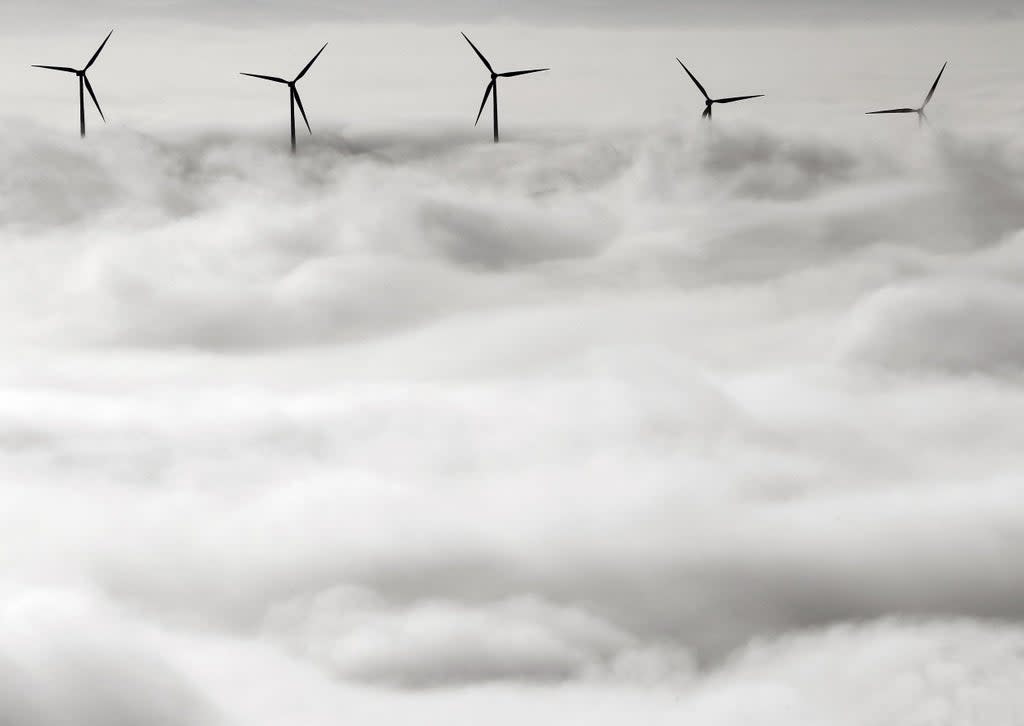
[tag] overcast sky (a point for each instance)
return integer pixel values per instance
(398, 74)
(571, 12)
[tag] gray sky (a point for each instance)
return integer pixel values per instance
(569, 12)
(403, 75)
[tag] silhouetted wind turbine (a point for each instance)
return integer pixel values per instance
(708, 101)
(921, 117)
(493, 85)
(293, 92)
(83, 84)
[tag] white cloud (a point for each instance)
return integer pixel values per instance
(618, 424)
(357, 635)
(67, 658)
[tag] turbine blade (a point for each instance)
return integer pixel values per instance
(88, 87)
(707, 112)
(694, 79)
(737, 98)
(98, 51)
(523, 73)
(275, 79)
(298, 100)
(481, 55)
(487, 94)
(892, 110)
(58, 68)
(934, 85)
(310, 64)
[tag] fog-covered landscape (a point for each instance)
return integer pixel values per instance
(628, 419)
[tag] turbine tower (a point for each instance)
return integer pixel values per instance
(921, 117)
(293, 93)
(83, 84)
(493, 85)
(708, 101)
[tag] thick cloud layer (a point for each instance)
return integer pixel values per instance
(618, 426)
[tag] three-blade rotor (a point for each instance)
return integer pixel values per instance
(293, 89)
(81, 73)
(492, 86)
(708, 101)
(919, 111)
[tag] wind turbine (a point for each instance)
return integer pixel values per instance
(708, 101)
(493, 85)
(293, 92)
(921, 117)
(83, 84)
